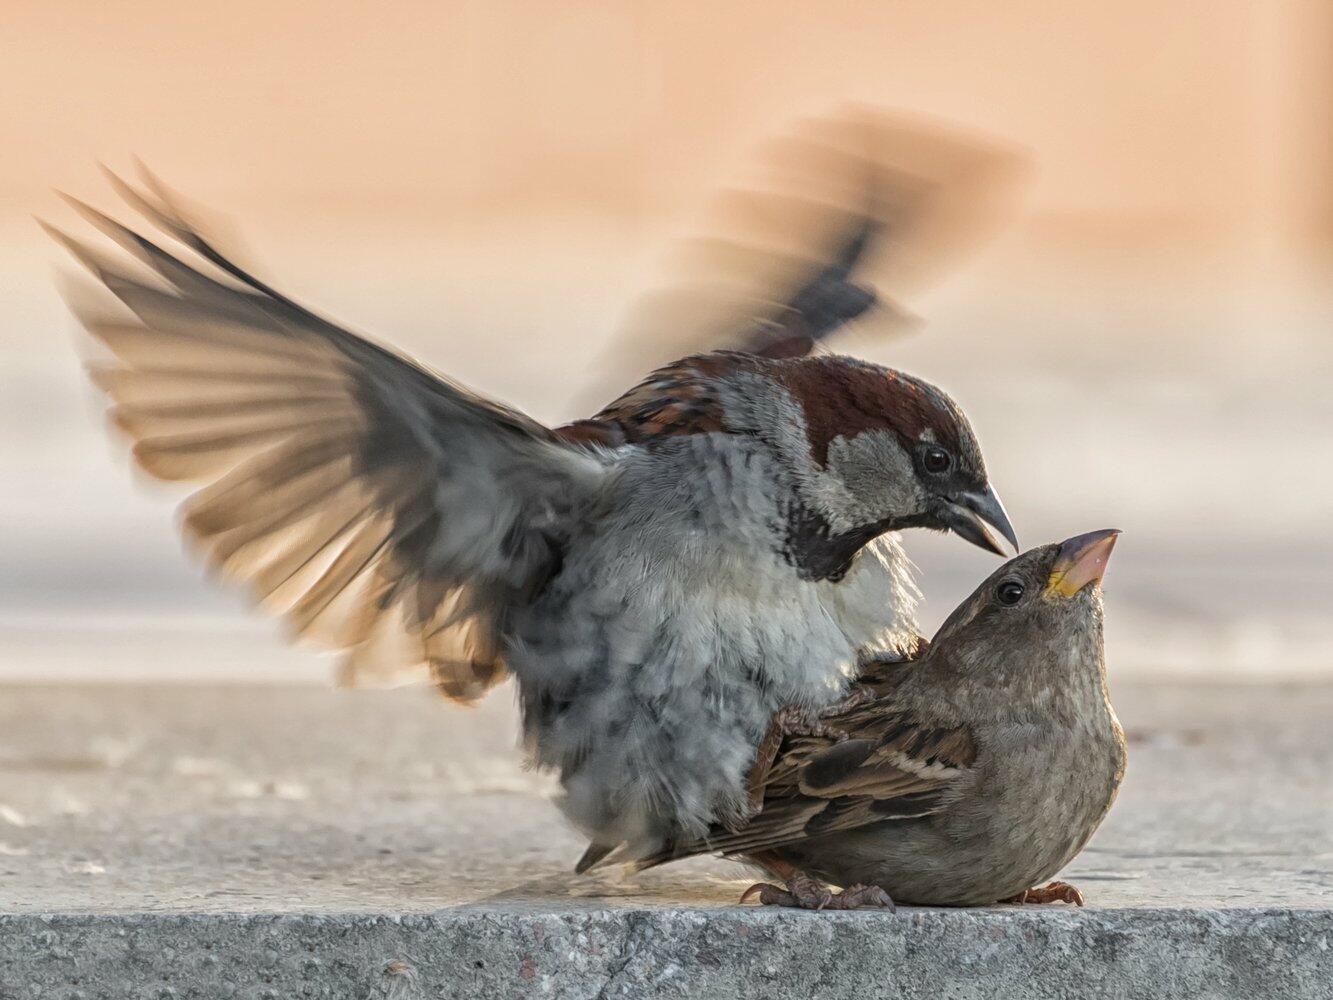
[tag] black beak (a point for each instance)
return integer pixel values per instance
(977, 516)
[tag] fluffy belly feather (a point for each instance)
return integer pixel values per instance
(650, 701)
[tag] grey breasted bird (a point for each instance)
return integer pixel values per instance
(659, 579)
(967, 776)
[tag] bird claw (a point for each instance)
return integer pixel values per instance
(1054, 892)
(804, 893)
(797, 721)
(867, 897)
(861, 695)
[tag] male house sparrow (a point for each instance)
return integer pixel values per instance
(965, 777)
(659, 580)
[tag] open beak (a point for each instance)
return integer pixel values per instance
(1081, 561)
(979, 517)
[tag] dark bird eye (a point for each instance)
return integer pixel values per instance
(1010, 592)
(936, 461)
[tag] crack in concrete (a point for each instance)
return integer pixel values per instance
(635, 921)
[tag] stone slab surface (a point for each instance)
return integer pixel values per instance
(268, 841)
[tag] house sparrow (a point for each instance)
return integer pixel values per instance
(659, 580)
(965, 777)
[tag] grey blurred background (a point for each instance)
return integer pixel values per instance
(490, 184)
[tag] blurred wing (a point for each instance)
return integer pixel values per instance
(893, 766)
(847, 213)
(381, 509)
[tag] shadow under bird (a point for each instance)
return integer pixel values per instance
(965, 777)
(713, 546)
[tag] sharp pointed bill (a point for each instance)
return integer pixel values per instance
(1081, 562)
(977, 516)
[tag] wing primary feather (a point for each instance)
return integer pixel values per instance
(342, 484)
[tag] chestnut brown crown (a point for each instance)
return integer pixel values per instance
(870, 449)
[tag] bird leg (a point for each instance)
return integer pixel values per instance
(794, 720)
(801, 892)
(1054, 892)
(862, 695)
(805, 893)
(790, 721)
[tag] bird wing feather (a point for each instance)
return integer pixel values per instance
(382, 509)
(893, 765)
(834, 221)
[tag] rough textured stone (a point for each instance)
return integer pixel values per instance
(292, 842)
(474, 952)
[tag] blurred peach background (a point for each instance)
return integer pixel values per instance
(490, 184)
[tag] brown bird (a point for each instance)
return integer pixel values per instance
(965, 777)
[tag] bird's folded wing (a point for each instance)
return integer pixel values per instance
(893, 765)
(381, 509)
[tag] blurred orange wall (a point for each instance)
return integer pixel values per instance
(1193, 113)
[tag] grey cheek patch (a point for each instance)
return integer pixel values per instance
(877, 476)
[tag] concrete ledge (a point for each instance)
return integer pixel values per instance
(723, 953)
(280, 842)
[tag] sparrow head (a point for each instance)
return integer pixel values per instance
(866, 449)
(880, 450)
(1037, 616)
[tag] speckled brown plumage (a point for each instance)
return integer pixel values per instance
(680, 398)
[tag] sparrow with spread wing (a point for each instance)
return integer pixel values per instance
(659, 580)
